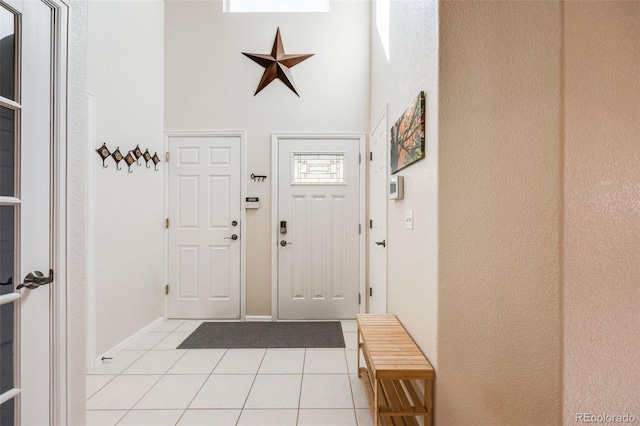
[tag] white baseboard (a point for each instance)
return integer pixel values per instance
(128, 340)
(249, 318)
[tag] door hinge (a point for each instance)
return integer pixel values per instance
(359, 158)
(370, 291)
(370, 155)
(359, 229)
(166, 289)
(359, 299)
(370, 223)
(167, 156)
(166, 223)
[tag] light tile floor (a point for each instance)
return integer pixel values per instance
(149, 382)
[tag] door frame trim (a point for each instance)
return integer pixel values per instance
(59, 341)
(275, 167)
(383, 119)
(242, 134)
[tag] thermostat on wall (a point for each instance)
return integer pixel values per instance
(396, 187)
(252, 202)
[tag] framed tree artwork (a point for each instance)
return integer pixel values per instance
(407, 136)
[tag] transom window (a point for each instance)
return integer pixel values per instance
(248, 6)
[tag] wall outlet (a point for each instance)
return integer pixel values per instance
(408, 221)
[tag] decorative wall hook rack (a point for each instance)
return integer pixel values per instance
(133, 157)
(258, 178)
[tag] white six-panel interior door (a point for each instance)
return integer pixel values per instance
(319, 224)
(205, 222)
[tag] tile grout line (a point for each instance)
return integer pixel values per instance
(162, 375)
(127, 410)
(304, 360)
(201, 386)
(353, 400)
(251, 387)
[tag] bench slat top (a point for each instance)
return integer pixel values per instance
(390, 349)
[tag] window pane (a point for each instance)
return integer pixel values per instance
(7, 417)
(7, 151)
(6, 347)
(7, 248)
(7, 54)
(236, 6)
(318, 168)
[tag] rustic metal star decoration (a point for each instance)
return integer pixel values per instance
(277, 65)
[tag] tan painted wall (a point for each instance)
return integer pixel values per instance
(412, 254)
(499, 306)
(602, 209)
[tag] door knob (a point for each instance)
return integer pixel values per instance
(233, 237)
(283, 243)
(382, 243)
(35, 279)
(234, 223)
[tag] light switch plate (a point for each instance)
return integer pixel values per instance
(408, 221)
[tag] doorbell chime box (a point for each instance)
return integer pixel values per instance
(396, 187)
(252, 202)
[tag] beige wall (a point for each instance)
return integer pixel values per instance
(210, 85)
(499, 315)
(602, 209)
(412, 254)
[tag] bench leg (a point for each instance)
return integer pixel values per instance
(358, 352)
(427, 402)
(376, 403)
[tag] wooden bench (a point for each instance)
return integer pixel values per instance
(392, 361)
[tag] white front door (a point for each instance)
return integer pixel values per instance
(378, 181)
(26, 143)
(204, 226)
(318, 218)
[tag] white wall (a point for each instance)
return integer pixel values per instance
(209, 85)
(126, 77)
(412, 254)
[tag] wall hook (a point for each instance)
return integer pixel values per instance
(129, 160)
(117, 157)
(147, 158)
(137, 153)
(257, 178)
(104, 153)
(156, 160)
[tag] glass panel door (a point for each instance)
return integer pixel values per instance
(9, 215)
(8, 70)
